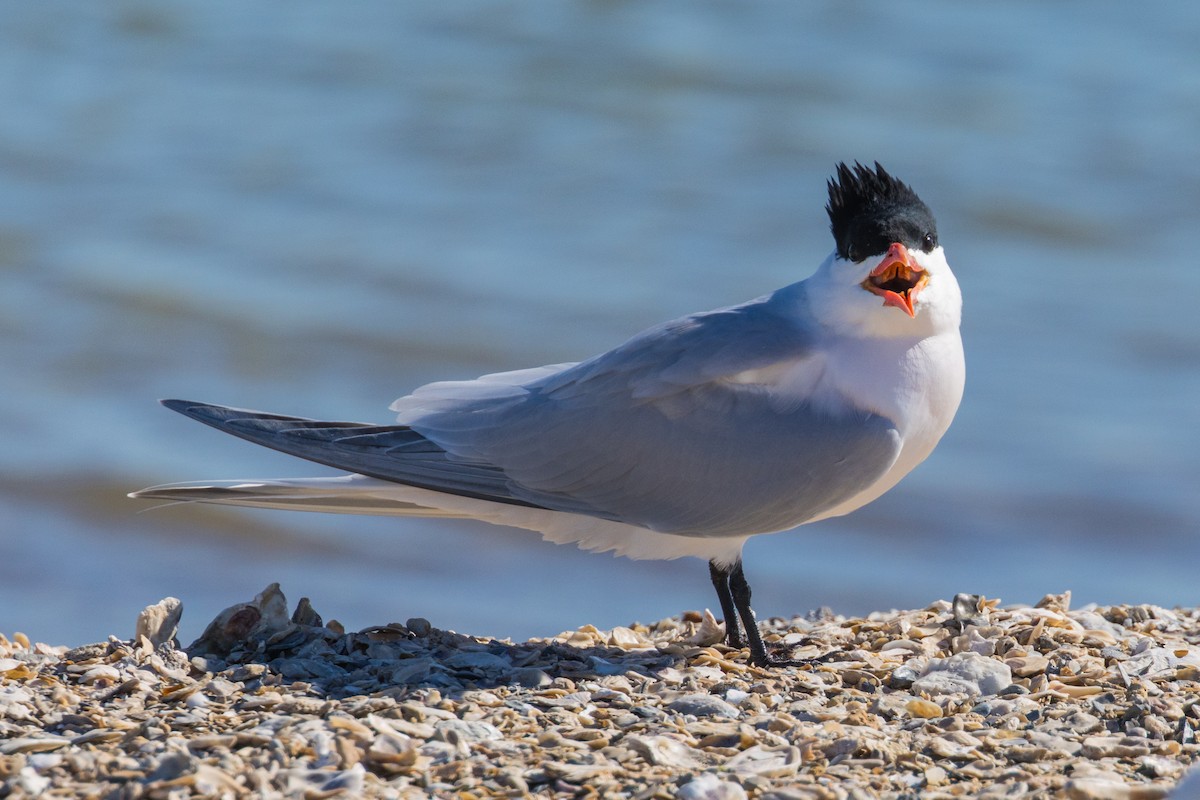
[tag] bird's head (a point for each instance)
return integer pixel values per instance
(888, 275)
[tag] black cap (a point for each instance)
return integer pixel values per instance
(869, 209)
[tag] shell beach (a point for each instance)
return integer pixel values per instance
(964, 698)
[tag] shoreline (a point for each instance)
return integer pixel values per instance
(958, 699)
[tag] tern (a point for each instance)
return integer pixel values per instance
(686, 440)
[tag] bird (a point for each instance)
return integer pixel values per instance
(686, 440)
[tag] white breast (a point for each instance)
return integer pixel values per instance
(915, 383)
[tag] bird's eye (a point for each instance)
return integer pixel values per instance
(853, 254)
(929, 242)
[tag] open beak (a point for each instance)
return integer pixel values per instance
(897, 279)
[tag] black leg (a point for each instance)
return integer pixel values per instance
(720, 582)
(740, 590)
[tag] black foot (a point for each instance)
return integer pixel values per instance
(769, 662)
(733, 592)
(720, 581)
(759, 656)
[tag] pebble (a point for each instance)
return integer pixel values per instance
(963, 698)
(1026, 666)
(665, 751)
(466, 731)
(923, 708)
(967, 673)
(703, 705)
(159, 622)
(710, 787)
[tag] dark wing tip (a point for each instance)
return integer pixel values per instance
(202, 412)
(181, 406)
(221, 417)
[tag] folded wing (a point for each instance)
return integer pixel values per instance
(655, 433)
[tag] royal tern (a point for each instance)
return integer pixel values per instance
(686, 440)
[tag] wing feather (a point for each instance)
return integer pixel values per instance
(657, 433)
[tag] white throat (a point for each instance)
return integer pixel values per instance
(844, 306)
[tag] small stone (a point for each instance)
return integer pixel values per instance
(1162, 767)
(171, 766)
(1115, 747)
(626, 639)
(710, 787)
(302, 782)
(703, 705)
(102, 673)
(964, 673)
(244, 624)
(30, 782)
(923, 709)
(969, 609)
(1095, 788)
(511, 778)
(1025, 666)
(664, 751)
(533, 678)
(903, 676)
(576, 773)
(247, 672)
(32, 744)
(305, 614)
(402, 727)
(468, 731)
(709, 632)
(768, 762)
(954, 745)
(159, 622)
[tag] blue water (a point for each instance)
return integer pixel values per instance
(312, 209)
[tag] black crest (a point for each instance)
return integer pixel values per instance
(869, 209)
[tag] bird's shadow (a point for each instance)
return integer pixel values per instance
(397, 660)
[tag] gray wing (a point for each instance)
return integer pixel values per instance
(653, 434)
(389, 452)
(649, 434)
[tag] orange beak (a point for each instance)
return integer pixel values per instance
(897, 279)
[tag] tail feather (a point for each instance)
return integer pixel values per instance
(341, 495)
(388, 452)
(355, 494)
